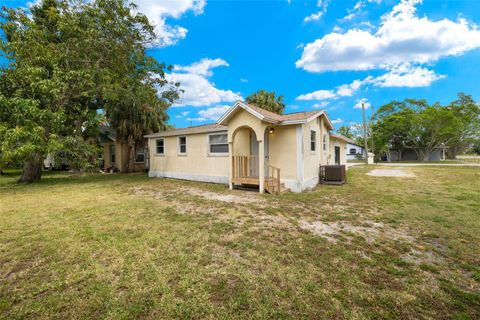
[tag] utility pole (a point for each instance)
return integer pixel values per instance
(371, 130)
(365, 133)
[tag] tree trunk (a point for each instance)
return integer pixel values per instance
(32, 169)
(126, 157)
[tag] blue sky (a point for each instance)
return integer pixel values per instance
(318, 54)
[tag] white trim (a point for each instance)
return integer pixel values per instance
(179, 152)
(313, 152)
(300, 162)
(188, 176)
(156, 148)
(240, 104)
(216, 154)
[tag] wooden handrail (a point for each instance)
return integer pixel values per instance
(274, 177)
(248, 167)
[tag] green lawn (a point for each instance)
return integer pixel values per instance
(123, 247)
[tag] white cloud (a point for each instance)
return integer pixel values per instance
(359, 103)
(185, 113)
(337, 121)
(199, 91)
(243, 80)
(344, 90)
(318, 95)
(407, 76)
(158, 11)
(402, 37)
(213, 113)
(202, 67)
(320, 105)
(323, 5)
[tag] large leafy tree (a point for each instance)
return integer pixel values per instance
(267, 100)
(422, 127)
(67, 59)
(467, 111)
(345, 131)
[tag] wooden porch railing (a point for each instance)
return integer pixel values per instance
(245, 167)
(245, 171)
(272, 179)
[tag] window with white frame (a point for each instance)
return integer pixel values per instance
(218, 143)
(160, 146)
(324, 142)
(140, 155)
(182, 145)
(313, 140)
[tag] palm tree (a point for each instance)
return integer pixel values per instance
(267, 100)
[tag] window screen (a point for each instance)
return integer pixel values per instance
(182, 141)
(218, 143)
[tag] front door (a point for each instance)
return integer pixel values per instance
(254, 153)
(337, 155)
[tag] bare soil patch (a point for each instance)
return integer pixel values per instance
(390, 173)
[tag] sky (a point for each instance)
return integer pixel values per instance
(324, 54)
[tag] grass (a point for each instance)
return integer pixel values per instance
(126, 246)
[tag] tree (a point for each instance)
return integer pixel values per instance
(345, 131)
(67, 60)
(132, 105)
(467, 111)
(267, 100)
(417, 125)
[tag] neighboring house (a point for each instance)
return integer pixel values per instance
(411, 155)
(250, 146)
(113, 152)
(354, 151)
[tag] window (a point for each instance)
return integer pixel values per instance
(182, 145)
(112, 153)
(218, 143)
(140, 155)
(353, 151)
(313, 140)
(160, 146)
(324, 142)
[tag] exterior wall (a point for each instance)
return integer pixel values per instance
(241, 147)
(334, 142)
(283, 151)
(197, 164)
(358, 149)
(243, 119)
(119, 157)
(312, 159)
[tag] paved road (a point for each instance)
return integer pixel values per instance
(419, 164)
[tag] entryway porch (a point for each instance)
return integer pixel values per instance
(250, 162)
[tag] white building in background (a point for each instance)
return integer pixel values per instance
(354, 151)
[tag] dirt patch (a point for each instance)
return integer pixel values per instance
(230, 197)
(371, 231)
(390, 173)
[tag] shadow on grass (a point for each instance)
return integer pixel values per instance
(9, 180)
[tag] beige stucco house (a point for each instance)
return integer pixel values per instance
(113, 153)
(250, 146)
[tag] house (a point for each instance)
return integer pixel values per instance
(354, 151)
(250, 146)
(410, 155)
(113, 155)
